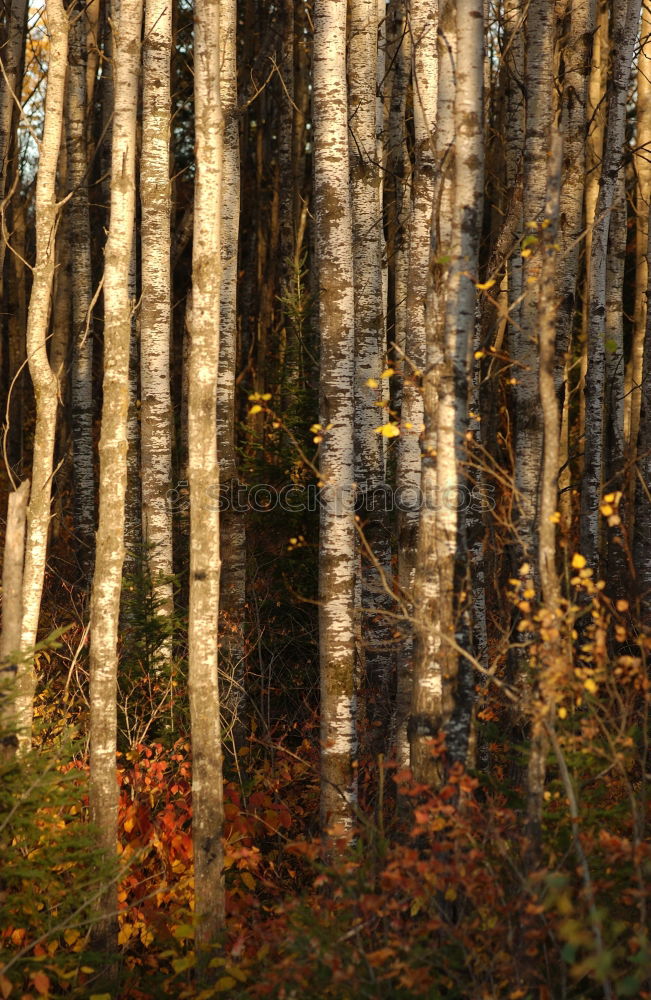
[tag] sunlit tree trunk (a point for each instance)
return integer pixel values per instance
(436, 706)
(203, 478)
(12, 606)
(624, 31)
(43, 378)
(367, 232)
(155, 310)
(423, 25)
(110, 550)
(642, 160)
(576, 68)
(425, 687)
(232, 526)
(547, 250)
(336, 319)
(82, 407)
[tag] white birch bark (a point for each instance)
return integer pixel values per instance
(367, 234)
(642, 160)
(333, 231)
(110, 548)
(443, 540)
(424, 43)
(43, 378)
(426, 671)
(232, 525)
(624, 31)
(423, 26)
(81, 382)
(12, 609)
(203, 478)
(155, 310)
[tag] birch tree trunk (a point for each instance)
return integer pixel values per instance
(576, 55)
(203, 479)
(232, 526)
(12, 609)
(642, 160)
(614, 441)
(539, 37)
(367, 235)
(110, 548)
(43, 378)
(155, 310)
(624, 31)
(435, 703)
(424, 687)
(333, 230)
(11, 55)
(423, 27)
(82, 292)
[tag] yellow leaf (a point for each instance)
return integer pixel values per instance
(387, 373)
(578, 561)
(388, 430)
(590, 685)
(6, 986)
(129, 824)
(484, 286)
(248, 880)
(450, 895)
(71, 935)
(372, 383)
(225, 983)
(255, 409)
(125, 933)
(622, 605)
(555, 517)
(526, 252)
(266, 396)
(525, 569)
(562, 713)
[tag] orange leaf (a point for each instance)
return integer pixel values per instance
(41, 982)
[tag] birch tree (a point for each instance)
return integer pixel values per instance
(12, 37)
(423, 26)
(203, 478)
(232, 526)
(43, 378)
(625, 24)
(436, 662)
(367, 235)
(333, 231)
(110, 548)
(539, 37)
(82, 407)
(642, 160)
(155, 310)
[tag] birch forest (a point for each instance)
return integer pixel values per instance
(325, 499)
